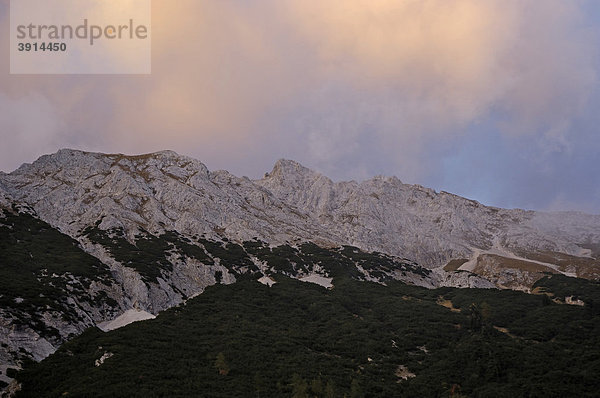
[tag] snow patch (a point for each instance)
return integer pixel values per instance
(103, 358)
(265, 280)
(319, 280)
(125, 319)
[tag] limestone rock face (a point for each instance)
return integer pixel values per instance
(461, 279)
(418, 223)
(164, 191)
(157, 192)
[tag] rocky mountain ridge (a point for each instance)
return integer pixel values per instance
(164, 191)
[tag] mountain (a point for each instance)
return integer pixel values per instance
(89, 237)
(435, 229)
(160, 192)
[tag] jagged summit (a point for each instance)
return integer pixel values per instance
(167, 153)
(66, 153)
(292, 173)
(285, 166)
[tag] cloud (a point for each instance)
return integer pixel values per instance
(30, 128)
(352, 88)
(428, 69)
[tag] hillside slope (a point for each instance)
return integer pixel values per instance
(358, 339)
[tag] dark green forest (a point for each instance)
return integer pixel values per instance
(358, 339)
(295, 339)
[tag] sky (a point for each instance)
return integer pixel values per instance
(494, 100)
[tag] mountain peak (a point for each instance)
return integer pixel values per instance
(70, 151)
(166, 153)
(65, 152)
(293, 176)
(285, 167)
(78, 159)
